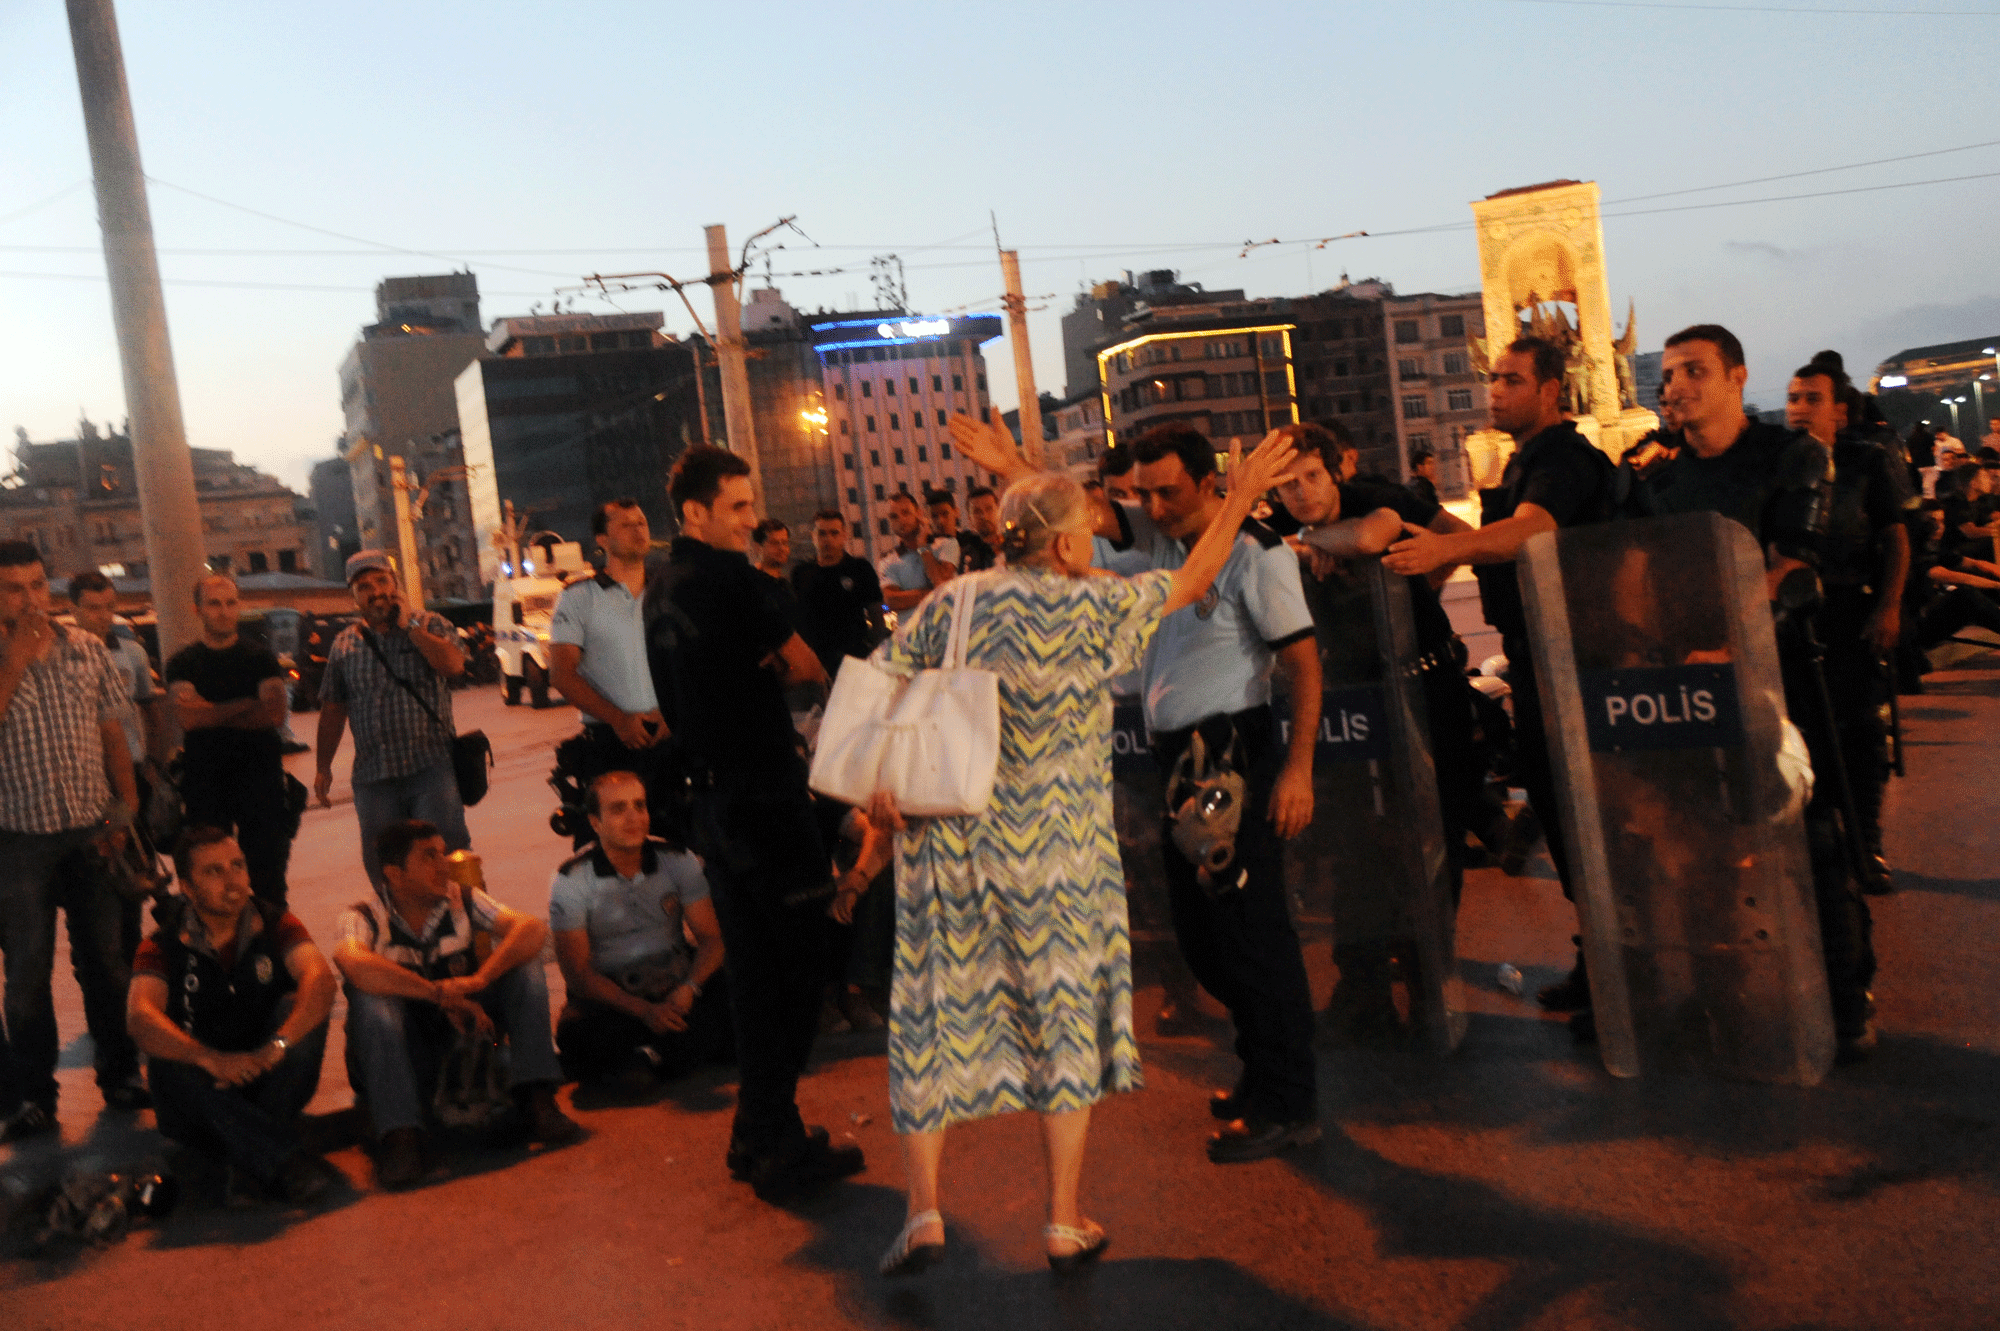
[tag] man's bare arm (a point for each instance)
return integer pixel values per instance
(332, 721)
(196, 713)
(118, 762)
(1495, 543)
(899, 600)
(442, 651)
(373, 974)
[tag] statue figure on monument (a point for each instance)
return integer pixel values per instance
(1623, 350)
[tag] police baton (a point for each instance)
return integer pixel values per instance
(1798, 593)
(1888, 667)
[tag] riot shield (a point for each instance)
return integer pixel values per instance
(1659, 676)
(1374, 856)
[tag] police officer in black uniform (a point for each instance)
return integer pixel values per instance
(1555, 479)
(722, 650)
(1864, 560)
(1778, 484)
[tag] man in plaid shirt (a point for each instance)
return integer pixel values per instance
(402, 746)
(62, 757)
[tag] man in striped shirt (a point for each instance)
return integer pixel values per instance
(62, 758)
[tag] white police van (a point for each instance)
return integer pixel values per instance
(524, 602)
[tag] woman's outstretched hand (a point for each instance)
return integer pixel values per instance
(1265, 468)
(989, 445)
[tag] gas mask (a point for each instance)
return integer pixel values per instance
(1205, 800)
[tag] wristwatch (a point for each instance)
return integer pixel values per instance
(692, 987)
(280, 1041)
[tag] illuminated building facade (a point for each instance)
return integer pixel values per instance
(1227, 378)
(1953, 384)
(890, 383)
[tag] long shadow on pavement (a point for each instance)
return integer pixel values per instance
(967, 1293)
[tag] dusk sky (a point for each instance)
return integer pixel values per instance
(535, 143)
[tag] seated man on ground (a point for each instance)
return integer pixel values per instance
(416, 983)
(644, 1005)
(230, 999)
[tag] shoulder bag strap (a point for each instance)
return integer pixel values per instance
(963, 593)
(405, 684)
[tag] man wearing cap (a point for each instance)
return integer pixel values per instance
(389, 677)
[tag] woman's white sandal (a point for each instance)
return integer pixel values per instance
(1090, 1245)
(905, 1258)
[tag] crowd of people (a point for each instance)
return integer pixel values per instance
(719, 910)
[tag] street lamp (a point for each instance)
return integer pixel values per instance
(1953, 402)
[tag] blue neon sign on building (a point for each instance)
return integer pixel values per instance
(893, 330)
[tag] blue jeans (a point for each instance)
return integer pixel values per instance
(396, 1046)
(430, 796)
(33, 870)
(254, 1127)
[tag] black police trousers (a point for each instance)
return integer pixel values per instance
(1242, 945)
(249, 803)
(768, 873)
(596, 749)
(1845, 929)
(1533, 767)
(1858, 684)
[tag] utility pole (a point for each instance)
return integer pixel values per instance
(163, 469)
(1024, 362)
(729, 353)
(406, 534)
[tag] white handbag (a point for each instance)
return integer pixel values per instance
(932, 739)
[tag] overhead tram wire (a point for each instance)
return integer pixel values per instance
(1321, 242)
(62, 193)
(1106, 249)
(342, 235)
(1765, 9)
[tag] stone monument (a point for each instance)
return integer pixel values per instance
(1541, 269)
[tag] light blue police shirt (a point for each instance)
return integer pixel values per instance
(627, 919)
(1214, 657)
(905, 571)
(603, 618)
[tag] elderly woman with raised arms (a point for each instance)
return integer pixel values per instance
(1013, 969)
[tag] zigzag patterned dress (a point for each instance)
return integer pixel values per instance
(1013, 972)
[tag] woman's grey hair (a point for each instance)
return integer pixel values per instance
(1035, 511)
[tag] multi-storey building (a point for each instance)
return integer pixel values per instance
(1438, 396)
(890, 383)
(1646, 378)
(447, 542)
(77, 502)
(795, 464)
(566, 412)
(336, 534)
(396, 385)
(1073, 430)
(1343, 367)
(1952, 384)
(1101, 313)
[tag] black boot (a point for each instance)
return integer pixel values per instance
(1573, 993)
